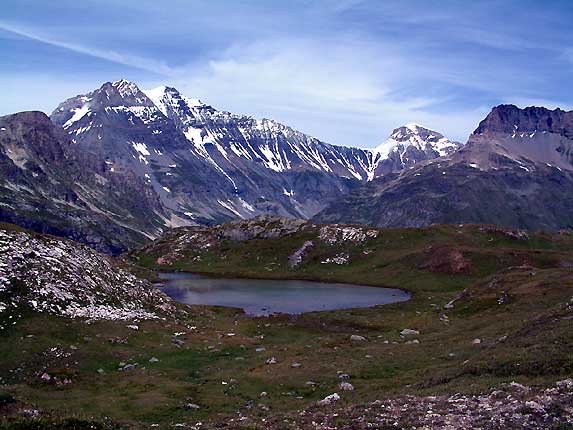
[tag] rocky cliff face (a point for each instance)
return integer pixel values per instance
(49, 186)
(514, 171)
(509, 120)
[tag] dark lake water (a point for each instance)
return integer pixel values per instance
(264, 297)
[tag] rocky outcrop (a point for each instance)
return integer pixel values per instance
(55, 276)
(511, 120)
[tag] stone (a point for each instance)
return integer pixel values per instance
(272, 360)
(177, 342)
(409, 332)
(153, 360)
(346, 386)
(128, 367)
(357, 338)
(476, 341)
(295, 365)
(329, 400)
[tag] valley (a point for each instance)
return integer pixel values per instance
(286, 215)
(490, 310)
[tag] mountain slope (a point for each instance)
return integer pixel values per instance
(514, 171)
(207, 165)
(48, 186)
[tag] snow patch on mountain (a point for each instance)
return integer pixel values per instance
(79, 113)
(414, 136)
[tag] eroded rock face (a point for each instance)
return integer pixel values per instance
(260, 227)
(509, 119)
(62, 278)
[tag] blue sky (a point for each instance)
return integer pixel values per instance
(345, 71)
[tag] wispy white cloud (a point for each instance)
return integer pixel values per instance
(347, 71)
(126, 59)
(351, 89)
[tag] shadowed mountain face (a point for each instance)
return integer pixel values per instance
(514, 171)
(48, 186)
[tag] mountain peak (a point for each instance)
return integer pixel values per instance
(164, 96)
(510, 120)
(415, 136)
(414, 126)
(126, 88)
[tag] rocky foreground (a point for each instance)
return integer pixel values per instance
(511, 406)
(45, 274)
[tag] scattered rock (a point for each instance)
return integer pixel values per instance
(128, 367)
(329, 400)
(346, 386)
(153, 360)
(409, 332)
(357, 338)
(177, 342)
(342, 258)
(298, 256)
(271, 360)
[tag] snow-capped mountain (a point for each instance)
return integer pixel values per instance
(207, 165)
(516, 170)
(408, 145)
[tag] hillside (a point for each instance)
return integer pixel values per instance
(489, 306)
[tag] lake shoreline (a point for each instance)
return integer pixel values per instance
(265, 297)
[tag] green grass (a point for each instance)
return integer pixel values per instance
(224, 374)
